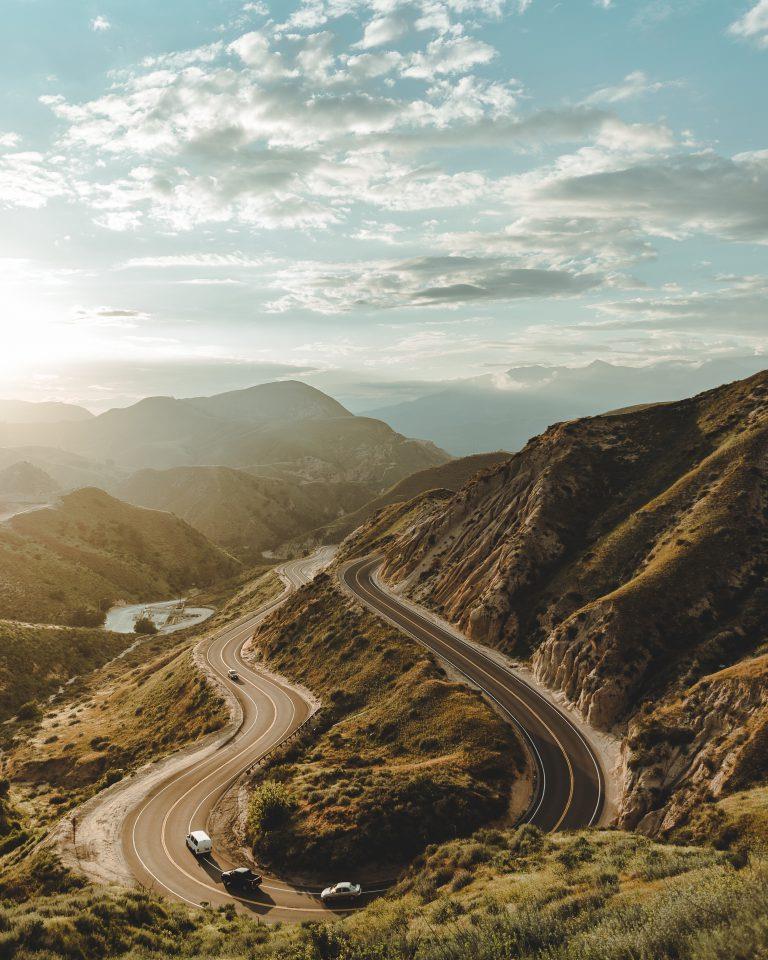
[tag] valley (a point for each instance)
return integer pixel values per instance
(372, 729)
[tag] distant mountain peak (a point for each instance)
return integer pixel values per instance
(279, 400)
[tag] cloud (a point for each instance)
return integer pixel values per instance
(197, 260)
(24, 272)
(382, 30)
(674, 196)
(602, 244)
(212, 282)
(753, 25)
(100, 24)
(424, 281)
(110, 317)
(445, 56)
(635, 84)
(27, 179)
(739, 306)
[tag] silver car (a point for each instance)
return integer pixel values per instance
(340, 892)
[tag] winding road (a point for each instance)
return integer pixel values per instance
(153, 834)
(569, 788)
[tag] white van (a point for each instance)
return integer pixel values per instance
(199, 842)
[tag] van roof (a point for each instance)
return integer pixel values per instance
(199, 835)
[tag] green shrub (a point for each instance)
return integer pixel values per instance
(269, 809)
(29, 711)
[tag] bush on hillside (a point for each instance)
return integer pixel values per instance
(87, 617)
(270, 807)
(146, 626)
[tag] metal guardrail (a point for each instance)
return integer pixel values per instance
(311, 719)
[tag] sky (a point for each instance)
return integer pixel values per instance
(374, 195)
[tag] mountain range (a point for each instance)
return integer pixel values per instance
(285, 428)
(503, 411)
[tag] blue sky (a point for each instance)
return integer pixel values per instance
(201, 195)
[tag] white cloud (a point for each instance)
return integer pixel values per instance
(110, 317)
(255, 51)
(673, 196)
(100, 24)
(212, 282)
(753, 25)
(426, 281)
(28, 180)
(382, 30)
(635, 84)
(445, 56)
(197, 260)
(736, 307)
(9, 141)
(379, 232)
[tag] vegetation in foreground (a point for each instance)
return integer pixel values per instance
(500, 894)
(401, 756)
(138, 708)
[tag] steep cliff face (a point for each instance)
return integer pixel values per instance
(705, 744)
(625, 550)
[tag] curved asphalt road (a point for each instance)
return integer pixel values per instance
(154, 832)
(569, 785)
(570, 788)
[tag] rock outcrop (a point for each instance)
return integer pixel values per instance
(709, 742)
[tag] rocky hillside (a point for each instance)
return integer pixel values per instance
(627, 555)
(246, 514)
(90, 549)
(619, 548)
(705, 744)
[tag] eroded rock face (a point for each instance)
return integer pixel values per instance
(710, 741)
(476, 558)
(616, 548)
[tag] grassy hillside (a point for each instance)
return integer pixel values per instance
(24, 479)
(446, 476)
(112, 720)
(90, 549)
(354, 449)
(501, 895)
(402, 756)
(241, 512)
(23, 411)
(35, 661)
(284, 400)
(68, 470)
